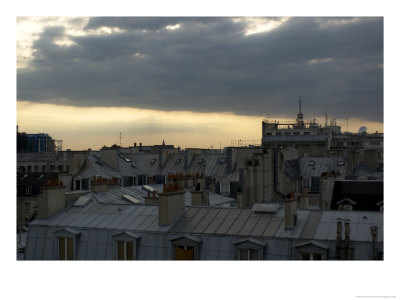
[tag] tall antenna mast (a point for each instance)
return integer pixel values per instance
(326, 117)
(120, 138)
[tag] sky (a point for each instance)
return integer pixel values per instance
(194, 81)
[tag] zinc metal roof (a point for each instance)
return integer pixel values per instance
(309, 224)
(143, 162)
(93, 167)
(114, 196)
(213, 165)
(175, 163)
(315, 166)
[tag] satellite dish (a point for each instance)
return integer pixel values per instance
(362, 130)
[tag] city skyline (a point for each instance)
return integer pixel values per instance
(194, 81)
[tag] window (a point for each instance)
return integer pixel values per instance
(67, 240)
(186, 247)
(225, 188)
(60, 168)
(27, 206)
(311, 256)
(268, 133)
(52, 168)
(306, 133)
(77, 185)
(306, 183)
(287, 133)
(340, 163)
(125, 246)
(248, 254)
(278, 133)
(296, 133)
(312, 250)
(43, 168)
(65, 248)
(249, 249)
(28, 190)
(36, 168)
(124, 250)
(29, 168)
(184, 253)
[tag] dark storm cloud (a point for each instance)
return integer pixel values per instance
(208, 64)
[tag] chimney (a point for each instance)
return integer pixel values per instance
(188, 180)
(374, 234)
(162, 157)
(52, 200)
(239, 199)
(171, 203)
(339, 229)
(98, 184)
(290, 211)
(347, 238)
(304, 201)
(151, 199)
(211, 185)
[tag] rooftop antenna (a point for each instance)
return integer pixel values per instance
(299, 119)
(347, 120)
(326, 117)
(120, 138)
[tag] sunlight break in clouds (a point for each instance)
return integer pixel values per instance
(81, 128)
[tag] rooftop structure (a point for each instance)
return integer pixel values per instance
(96, 231)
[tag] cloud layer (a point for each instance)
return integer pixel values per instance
(211, 65)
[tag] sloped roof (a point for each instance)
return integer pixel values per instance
(114, 196)
(315, 166)
(93, 167)
(215, 165)
(175, 164)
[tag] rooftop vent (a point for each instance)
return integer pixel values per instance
(148, 188)
(311, 163)
(131, 199)
(200, 161)
(265, 208)
(83, 200)
(153, 161)
(133, 165)
(222, 160)
(178, 161)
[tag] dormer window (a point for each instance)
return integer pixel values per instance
(340, 163)
(249, 249)
(125, 246)
(312, 251)
(67, 240)
(186, 247)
